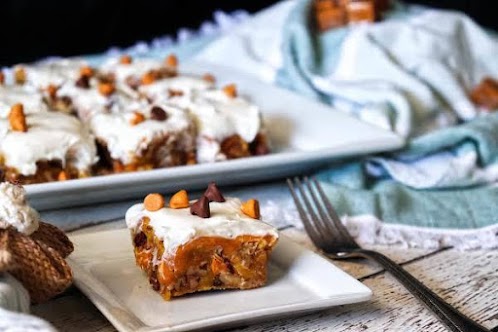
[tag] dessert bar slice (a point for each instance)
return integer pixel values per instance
(202, 245)
(44, 146)
(229, 126)
(142, 136)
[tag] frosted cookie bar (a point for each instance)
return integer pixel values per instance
(229, 126)
(144, 136)
(44, 146)
(211, 243)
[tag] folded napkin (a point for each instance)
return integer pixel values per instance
(410, 74)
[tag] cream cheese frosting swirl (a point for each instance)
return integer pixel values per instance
(15, 211)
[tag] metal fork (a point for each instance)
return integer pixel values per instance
(329, 234)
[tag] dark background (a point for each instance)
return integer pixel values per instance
(32, 29)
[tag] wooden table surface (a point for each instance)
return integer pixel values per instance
(467, 280)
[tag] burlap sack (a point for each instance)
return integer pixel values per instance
(37, 261)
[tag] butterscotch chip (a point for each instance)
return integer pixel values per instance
(154, 202)
(251, 208)
(63, 176)
(179, 200)
(17, 118)
(106, 89)
(209, 78)
(2, 78)
(174, 93)
(148, 78)
(86, 71)
(125, 59)
(361, 11)
(485, 94)
(52, 91)
(230, 90)
(137, 118)
(171, 61)
(20, 75)
(330, 18)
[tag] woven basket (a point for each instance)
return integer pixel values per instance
(37, 261)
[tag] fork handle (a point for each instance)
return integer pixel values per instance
(452, 318)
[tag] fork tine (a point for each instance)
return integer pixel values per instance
(326, 225)
(333, 215)
(308, 225)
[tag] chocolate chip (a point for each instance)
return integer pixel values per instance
(217, 282)
(2, 176)
(83, 82)
(158, 114)
(213, 193)
(154, 282)
(66, 100)
(201, 208)
(140, 239)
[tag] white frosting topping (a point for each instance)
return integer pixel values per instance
(183, 83)
(124, 140)
(137, 68)
(178, 226)
(54, 72)
(10, 95)
(90, 101)
(219, 116)
(50, 135)
(15, 211)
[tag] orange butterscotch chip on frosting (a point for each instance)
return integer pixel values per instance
(148, 78)
(171, 61)
(17, 118)
(154, 202)
(20, 75)
(86, 71)
(230, 90)
(125, 59)
(2, 78)
(251, 208)
(179, 200)
(137, 118)
(52, 91)
(209, 78)
(106, 89)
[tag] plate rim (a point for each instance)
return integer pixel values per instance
(87, 282)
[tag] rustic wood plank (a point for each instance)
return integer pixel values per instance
(467, 280)
(362, 268)
(73, 312)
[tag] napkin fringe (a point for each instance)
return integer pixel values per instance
(369, 230)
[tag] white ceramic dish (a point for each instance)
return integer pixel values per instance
(303, 133)
(299, 281)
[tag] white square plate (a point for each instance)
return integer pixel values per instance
(303, 134)
(299, 281)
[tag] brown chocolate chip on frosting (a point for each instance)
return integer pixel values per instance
(83, 82)
(158, 114)
(201, 208)
(213, 193)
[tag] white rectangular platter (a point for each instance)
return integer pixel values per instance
(304, 134)
(299, 281)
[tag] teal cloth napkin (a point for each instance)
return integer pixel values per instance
(446, 176)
